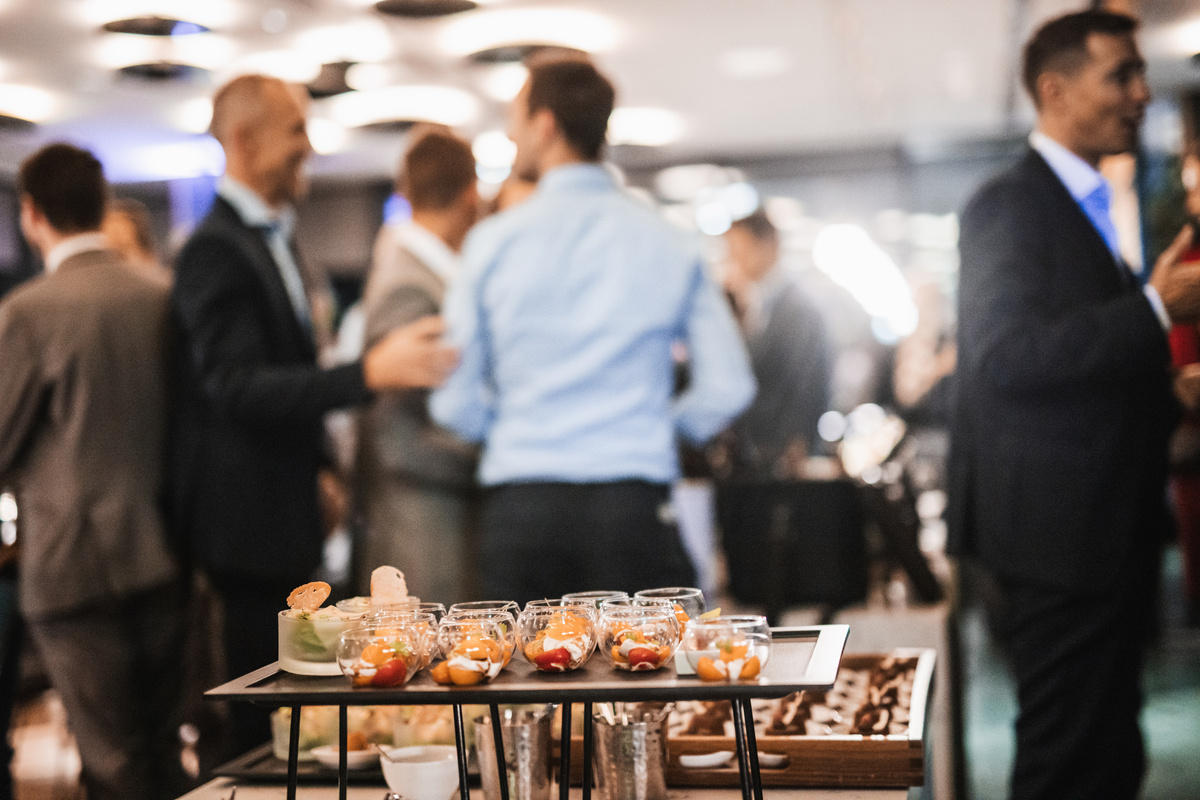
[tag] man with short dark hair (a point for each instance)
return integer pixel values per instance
(567, 312)
(249, 439)
(82, 426)
(1059, 452)
(415, 480)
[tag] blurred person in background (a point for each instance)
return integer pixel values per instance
(1185, 441)
(566, 313)
(83, 409)
(789, 351)
(416, 480)
(130, 232)
(1059, 452)
(248, 438)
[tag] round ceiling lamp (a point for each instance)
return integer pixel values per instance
(154, 26)
(517, 53)
(162, 71)
(424, 9)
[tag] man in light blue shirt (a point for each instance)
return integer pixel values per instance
(566, 315)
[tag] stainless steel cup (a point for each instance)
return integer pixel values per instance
(526, 731)
(630, 754)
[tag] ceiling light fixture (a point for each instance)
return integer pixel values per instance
(363, 40)
(210, 14)
(649, 127)
(120, 50)
(326, 136)
(27, 102)
(494, 149)
(440, 104)
(287, 65)
(424, 9)
(504, 81)
(365, 77)
(192, 116)
(580, 30)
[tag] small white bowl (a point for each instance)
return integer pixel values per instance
(426, 772)
(706, 760)
(355, 759)
(772, 760)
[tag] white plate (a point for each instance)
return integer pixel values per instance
(706, 760)
(772, 760)
(355, 759)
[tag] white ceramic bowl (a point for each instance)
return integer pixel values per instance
(355, 759)
(425, 772)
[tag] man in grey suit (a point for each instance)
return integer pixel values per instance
(82, 419)
(416, 480)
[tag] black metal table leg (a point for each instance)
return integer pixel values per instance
(501, 760)
(752, 749)
(293, 753)
(564, 761)
(743, 757)
(460, 742)
(587, 751)
(343, 756)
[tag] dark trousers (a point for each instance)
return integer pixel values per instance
(116, 668)
(1077, 660)
(548, 539)
(250, 636)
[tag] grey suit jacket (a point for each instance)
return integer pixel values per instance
(397, 438)
(82, 418)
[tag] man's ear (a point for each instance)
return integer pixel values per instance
(1049, 87)
(545, 125)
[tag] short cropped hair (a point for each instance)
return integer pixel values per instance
(436, 170)
(758, 225)
(1060, 45)
(579, 97)
(66, 183)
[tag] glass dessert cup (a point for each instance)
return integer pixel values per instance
(505, 619)
(728, 648)
(488, 605)
(363, 605)
(689, 600)
(308, 640)
(557, 636)
(387, 655)
(424, 620)
(638, 639)
(597, 597)
(473, 650)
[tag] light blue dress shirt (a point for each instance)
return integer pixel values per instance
(566, 314)
(1093, 193)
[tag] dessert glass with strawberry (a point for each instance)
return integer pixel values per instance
(473, 651)
(382, 656)
(557, 635)
(638, 638)
(425, 621)
(728, 648)
(598, 597)
(507, 621)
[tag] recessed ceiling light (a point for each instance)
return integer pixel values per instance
(504, 81)
(164, 71)
(209, 13)
(747, 63)
(440, 104)
(424, 9)
(650, 127)
(154, 26)
(27, 102)
(581, 30)
(327, 136)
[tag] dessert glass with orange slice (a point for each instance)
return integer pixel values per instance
(505, 619)
(557, 635)
(472, 649)
(728, 648)
(425, 621)
(387, 654)
(638, 638)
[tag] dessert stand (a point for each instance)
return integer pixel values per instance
(801, 658)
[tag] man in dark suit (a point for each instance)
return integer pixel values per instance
(82, 425)
(249, 442)
(1059, 452)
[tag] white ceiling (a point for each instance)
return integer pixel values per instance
(832, 74)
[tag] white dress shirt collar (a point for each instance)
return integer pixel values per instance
(253, 210)
(429, 248)
(1080, 177)
(73, 246)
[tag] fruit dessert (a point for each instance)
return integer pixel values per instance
(636, 651)
(380, 657)
(734, 662)
(472, 655)
(557, 639)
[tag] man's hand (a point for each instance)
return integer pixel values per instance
(1178, 284)
(410, 357)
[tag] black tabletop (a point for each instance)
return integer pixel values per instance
(801, 658)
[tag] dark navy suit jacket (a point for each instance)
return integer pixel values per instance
(1058, 462)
